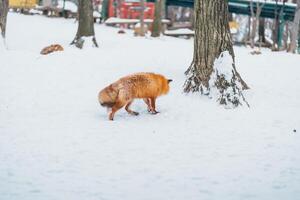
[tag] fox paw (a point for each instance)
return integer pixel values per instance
(135, 113)
(154, 112)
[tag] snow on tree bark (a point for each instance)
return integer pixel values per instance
(212, 37)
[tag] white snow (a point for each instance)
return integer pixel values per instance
(71, 6)
(223, 66)
(116, 20)
(180, 31)
(96, 14)
(187, 31)
(271, 2)
(56, 142)
(3, 46)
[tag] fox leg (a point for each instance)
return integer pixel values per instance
(114, 109)
(147, 101)
(152, 106)
(130, 111)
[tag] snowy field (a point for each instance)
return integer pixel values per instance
(56, 142)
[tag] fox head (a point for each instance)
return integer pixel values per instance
(107, 97)
(165, 85)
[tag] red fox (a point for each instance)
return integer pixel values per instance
(51, 48)
(147, 86)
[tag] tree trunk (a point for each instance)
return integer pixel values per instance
(255, 21)
(285, 37)
(85, 23)
(295, 30)
(3, 16)
(261, 30)
(192, 20)
(275, 29)
(253, 32)
(156, 27)
(142, 23)
(212, 39)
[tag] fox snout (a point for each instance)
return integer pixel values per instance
(107, 104)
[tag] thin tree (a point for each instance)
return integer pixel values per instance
(157, 26)
(3, 16)
(295, 29)
(255, 20)
(142, 30)
(213, 46)
(275, 28)
(261, 30)
(85, 23)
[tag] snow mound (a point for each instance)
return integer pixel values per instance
(224, 86)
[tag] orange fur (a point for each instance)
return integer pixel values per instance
(147, 86)
(51, 48)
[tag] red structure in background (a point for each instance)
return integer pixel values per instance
(129, 9)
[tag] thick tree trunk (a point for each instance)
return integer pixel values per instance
(295, 30)
(85, 23)
(212, 37)
(157, 27)
(3, 16)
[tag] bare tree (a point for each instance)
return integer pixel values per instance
(255, 20)
(157, 27)
(275, 28)
(295, 30)
(85, 23)
(142, 22)
(261, 30)
(212, 41)
(3, 16)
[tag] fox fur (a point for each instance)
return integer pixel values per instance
(146, 86)
(51, 48)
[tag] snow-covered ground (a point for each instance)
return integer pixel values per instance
(56, 142)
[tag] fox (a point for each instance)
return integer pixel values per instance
(51, 48)
(144, 85)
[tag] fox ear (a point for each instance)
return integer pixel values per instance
(170, 80)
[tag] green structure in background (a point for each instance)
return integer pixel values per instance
(282, 11)
(104, 11)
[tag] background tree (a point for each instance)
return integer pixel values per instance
(275, 28)
(295, 30)
(156, 26)
(85, 23)
(255, 20)
(142, 22)
(212, 40)
(261, 30)
(3, 16)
